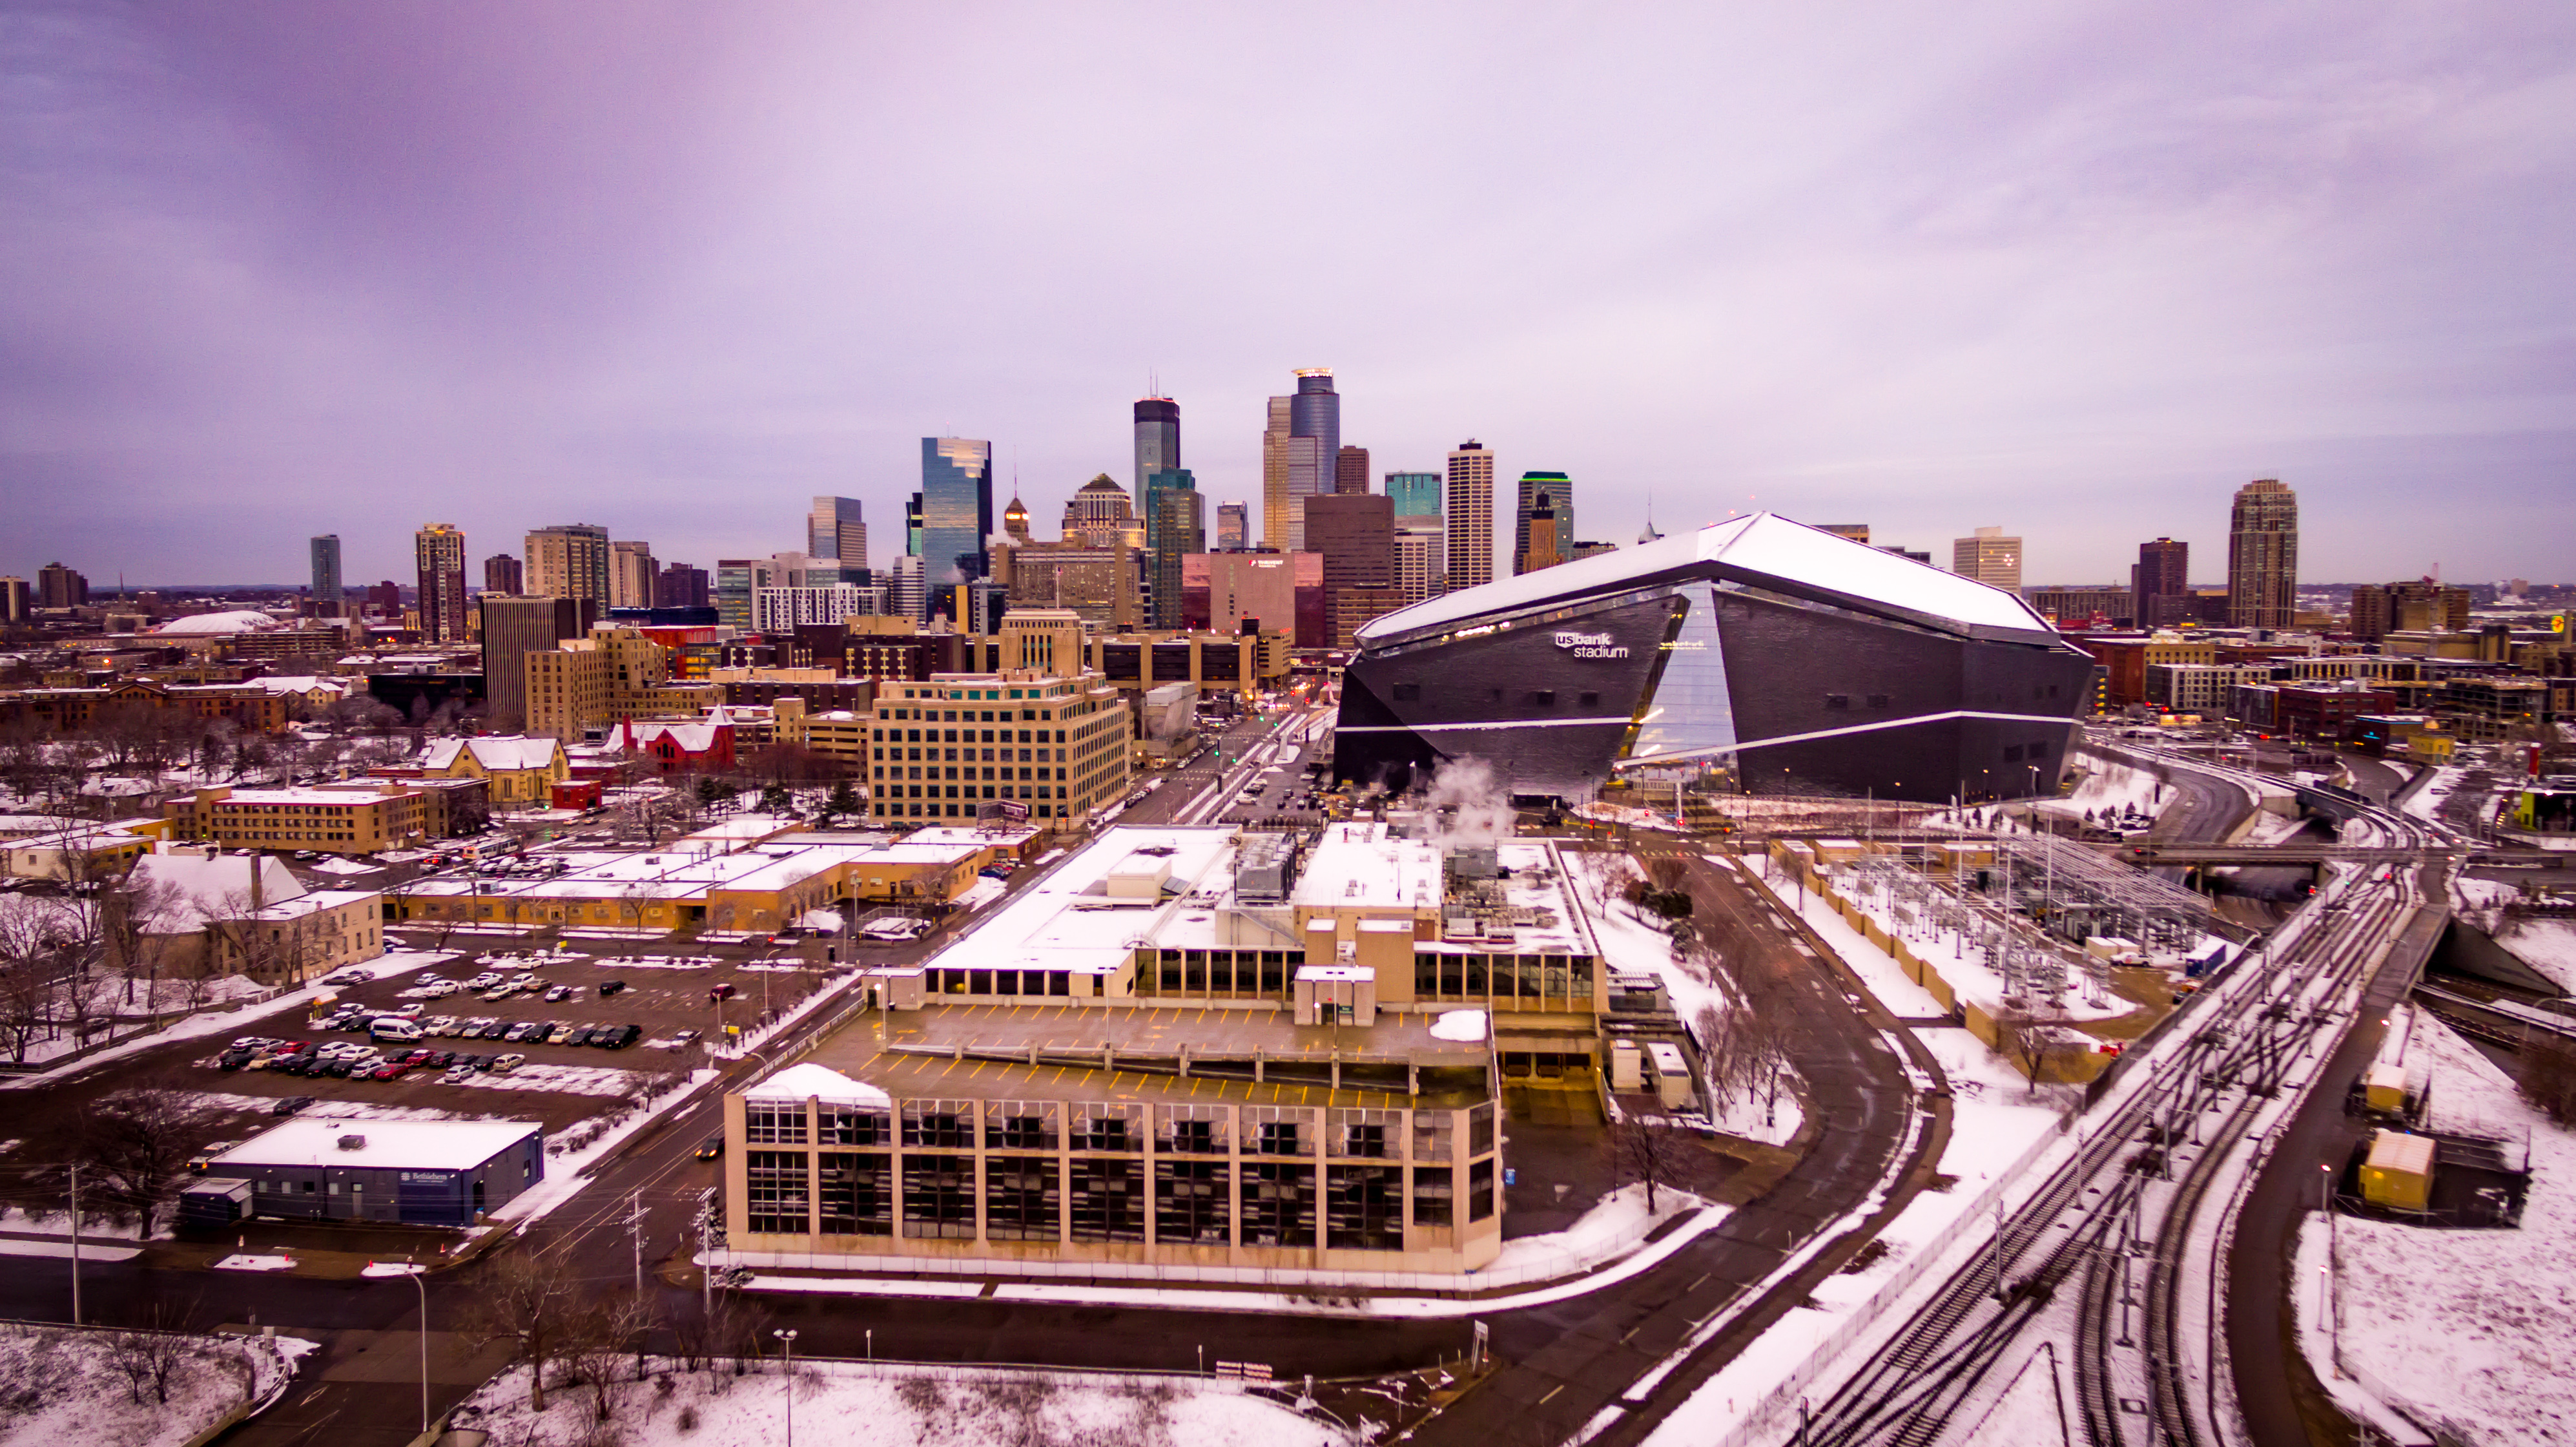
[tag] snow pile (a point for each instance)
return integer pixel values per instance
(2426, 802)
(256, 1263)
(345, 866)
(66, 1388)
(2547, 945)
(1467, 1025)
(878, 1404)
(2469, 1328)
(562, 1079)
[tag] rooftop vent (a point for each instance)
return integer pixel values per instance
(353, 1142)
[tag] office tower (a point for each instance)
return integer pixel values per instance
(680, 586)
(1544, 550)
(905, 595)
(1421, 558)
(1314, 443)
(1354, 534)
(912, 525)
(1351, 470)
(2160, 584)
(1015, 522)
(834, 529)
(1553, 491)
(60, 587)
(1416, 494)
(1252, 592)
(1158, 438)
(513, 628)
(441, 553)
(733, 587)
(1276, 525)
(1989, 557)
(2263, 556)
(1175, 527)
(570, 561)
(326, 572)
(1468, 504)
(1098, 584)
(2422, 606)
(1100, 515)
(16, 600)
(1857, 532)
(956, 510)
(1233, 521)
(503, 573)
(631, 571)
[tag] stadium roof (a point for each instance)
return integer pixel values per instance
(1764, 550)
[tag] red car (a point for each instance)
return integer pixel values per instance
(394, 1071)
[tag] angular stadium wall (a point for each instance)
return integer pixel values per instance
(1808, 663)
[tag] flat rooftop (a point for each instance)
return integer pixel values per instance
(1066, 920)
(1364, 866)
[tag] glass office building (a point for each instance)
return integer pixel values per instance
(1416, 494)
(956, 510)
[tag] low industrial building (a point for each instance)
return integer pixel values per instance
(762, 884)
(411, 1172)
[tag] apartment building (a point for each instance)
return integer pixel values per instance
(613, 674)
(326, 821)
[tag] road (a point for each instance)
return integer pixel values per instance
(1567, 1363)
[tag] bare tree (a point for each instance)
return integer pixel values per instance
(132, 1146)
(26, 971)
(1643, 1150)
(2029, 1040)
(2549, 1077)
(134, 908)
(151, 1357)
(529, 1303)
(598, 1337)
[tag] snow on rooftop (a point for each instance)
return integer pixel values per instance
(1066, 920)
(416, 1145)
(1366, 866)
(239, 620)
(494, 752)
(1764, 544)
(818, 1082)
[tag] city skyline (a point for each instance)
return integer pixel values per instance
(2063, 273)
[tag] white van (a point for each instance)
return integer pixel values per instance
(392, 1029)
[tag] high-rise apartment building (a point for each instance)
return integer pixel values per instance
(1989, 557)
(570, 561)
(1553, 491)
(631, 575)
(2263, 556)
(1233, 522)
(1468, 506)
(1158, 438)
(440, 551)
(503, 573)
(835, 529)
(956, 510)
(1351, 470)
(680, 586)
(1175, 527)
(326, 572)
(2160, 584)
(1421, 558)
(17, 600)
(906, 595)
(60, 587)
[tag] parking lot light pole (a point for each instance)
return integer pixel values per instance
(788, 1336)
(423, 1289)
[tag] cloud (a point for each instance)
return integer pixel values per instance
(2078, 270)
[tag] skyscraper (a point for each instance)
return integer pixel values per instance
(1416, 494)
(60, 587)
(1351, 470)
(1277, 526)
(905, 596)
(835, 529)
(912, 525)
(1232, 523)
(1355, 535)
(513, 628)
(1175, 526)
(440, 550)
(570, 561)
(326, 571)
(1989, 557)
(1100, 515)
(956, 510)
(631, 571)
(1553, 491)
(2263, 556)
(505, 574)
(2160, 584)
(1314, 442)
(1158, 438)
(1468, 507)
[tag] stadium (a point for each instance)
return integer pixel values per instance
(1801, 662)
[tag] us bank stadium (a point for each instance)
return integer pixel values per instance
(1801, 662)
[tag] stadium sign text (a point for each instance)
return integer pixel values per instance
(1591, 645)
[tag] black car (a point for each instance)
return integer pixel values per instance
(498, 1029)
(339, 1069)
(289, 1105)
(710, 1148)
(611, 987)
(232, 1060)
(624, 1036)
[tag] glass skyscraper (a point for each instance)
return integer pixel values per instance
(956, 510)
(1158, 438)
(836, 529)
(326, 570)
(1416, 494)
(1175, 526)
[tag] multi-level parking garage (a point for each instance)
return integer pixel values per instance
(1804, 662)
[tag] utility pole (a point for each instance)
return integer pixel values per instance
(76, 1311)
(635, 1235)
(706, 1249)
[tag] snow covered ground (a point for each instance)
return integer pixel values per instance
(2547, 945)
(2112, 786)
(882, 1404)
(65, 1388)
(569, 1164)
(2471, 1331)
(2426, 802)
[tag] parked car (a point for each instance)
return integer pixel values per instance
(622, 1036)
(611, 987)
(559, 1034)
(290, 1104)
(389, 1028)
(558, 994)
(503, 1065)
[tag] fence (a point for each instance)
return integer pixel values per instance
(1289, 1279)
(1865, 1316)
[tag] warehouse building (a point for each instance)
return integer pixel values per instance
(411, 1172)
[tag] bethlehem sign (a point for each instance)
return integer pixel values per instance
(1806, 663)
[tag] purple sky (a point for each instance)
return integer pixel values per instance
(276, 269)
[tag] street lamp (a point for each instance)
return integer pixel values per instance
(789, 1338)
(423, 1289)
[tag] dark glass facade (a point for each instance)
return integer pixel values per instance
(956, 510)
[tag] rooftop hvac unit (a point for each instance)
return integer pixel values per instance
(353, 1142)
